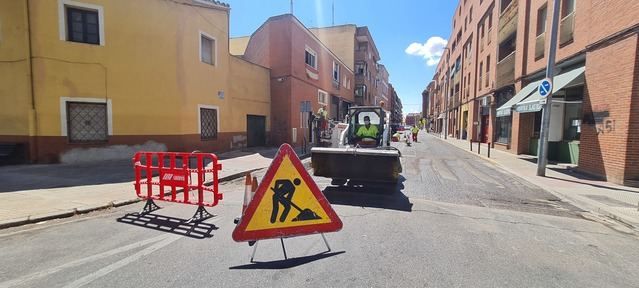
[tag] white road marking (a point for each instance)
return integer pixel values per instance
(79, 262)
(119, 264)
(160, 241)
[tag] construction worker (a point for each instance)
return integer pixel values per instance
(414, 130)
(322, 115)
(368, 130)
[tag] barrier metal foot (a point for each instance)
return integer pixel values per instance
(200, 215)
(149, 207)
(253, 254)
(326, 242)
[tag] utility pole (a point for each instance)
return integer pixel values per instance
(447, 94)
(542, 153)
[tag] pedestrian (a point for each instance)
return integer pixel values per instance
(414, 131)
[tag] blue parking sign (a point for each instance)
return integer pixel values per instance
(545, 87)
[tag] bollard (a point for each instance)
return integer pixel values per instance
(478, 147)
(471, 145)
(488, 149)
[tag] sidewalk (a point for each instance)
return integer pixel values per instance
(600, 197)
(58, 190)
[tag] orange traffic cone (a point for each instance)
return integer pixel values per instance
(247, 192)
(254, 187)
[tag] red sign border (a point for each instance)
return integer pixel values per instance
(240, 234)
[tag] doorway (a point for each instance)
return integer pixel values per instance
(484, 128)
(255, 130)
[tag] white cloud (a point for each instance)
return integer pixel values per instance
(432, 50)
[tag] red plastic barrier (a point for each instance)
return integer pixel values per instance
(179, 174)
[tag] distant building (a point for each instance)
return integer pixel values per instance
(356, 47)
(305, 73)
(413, 118)
(395, 106)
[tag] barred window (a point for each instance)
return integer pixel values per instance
(208, 123)
(87, 122)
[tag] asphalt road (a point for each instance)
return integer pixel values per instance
(455, 221)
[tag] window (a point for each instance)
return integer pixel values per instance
(82, 26)
(567, 24)
(208, 123)
(207, 49)
(487, 70)
(567, 7)
(362, 46)
(541, 20)
(360, 90)
(310, 57)
(360, 68)
(504, 125)
(87, 122)
(335, 72)
(470, 15)
(505, 4)
(322, 97)
(481, 73)
(80, 22)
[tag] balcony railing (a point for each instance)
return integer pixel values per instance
(505, 71)
(540, 45)
(567, 28)
(508, 22)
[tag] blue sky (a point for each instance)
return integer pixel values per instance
(395, 25)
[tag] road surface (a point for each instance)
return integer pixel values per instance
(455, 221)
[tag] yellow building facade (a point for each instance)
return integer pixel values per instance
(95, 73)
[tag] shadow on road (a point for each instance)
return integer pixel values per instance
(286, 263)
(376, 196)
(197, 230)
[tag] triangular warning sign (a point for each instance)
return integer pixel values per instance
(287, 203)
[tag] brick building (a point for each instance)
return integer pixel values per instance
(305, 75)
(496, 57)
(356, 46)
(395, 107)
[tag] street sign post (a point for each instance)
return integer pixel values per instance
(545, 90)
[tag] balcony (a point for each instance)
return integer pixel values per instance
(505, 71)
(508, 22)
(540, 45)
(567, 28)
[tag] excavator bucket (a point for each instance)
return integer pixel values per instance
(359, 164)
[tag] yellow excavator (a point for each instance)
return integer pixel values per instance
(360, 159)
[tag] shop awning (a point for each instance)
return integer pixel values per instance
(568, 79)
(504, 110)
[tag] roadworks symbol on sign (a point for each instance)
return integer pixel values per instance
(287, 203)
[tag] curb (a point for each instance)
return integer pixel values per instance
(84, 210)
(622, 225)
